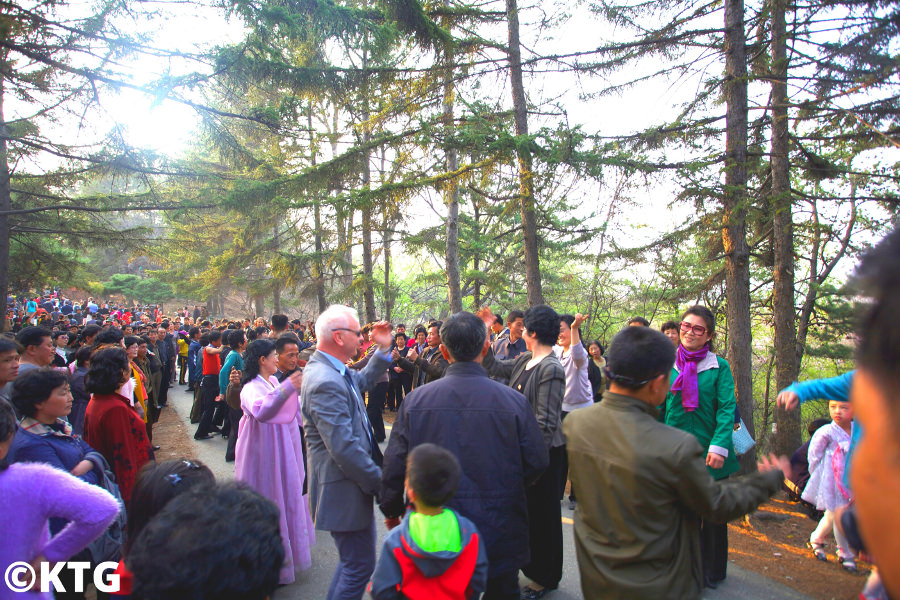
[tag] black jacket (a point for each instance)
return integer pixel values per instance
(492, 431)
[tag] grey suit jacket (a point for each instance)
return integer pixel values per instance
(343, 474)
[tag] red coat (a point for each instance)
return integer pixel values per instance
(115, 430)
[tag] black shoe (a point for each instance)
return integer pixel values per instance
(203, 437)
(155, 448)
(709, 583)
(529, 593)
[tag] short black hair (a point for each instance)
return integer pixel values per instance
(640, 320)
(498, 320)
(259, 348)
(89, 331)
(463, 335)
(130, 340)
(543, 322)
(638, 354)
(33, 387)
(8, 345)
(669, 325)
(878, 277)
(106, 374)
(433, 473)
(285, 340)
(235, 338)
(185, 553)
(567, 319)
(111, 335)
(32, 336)
(420, 329)
(279, 322)
(816, 424)
(513, 315)
(156, 485)
(214, 335)
(83, 356)
(57, 334)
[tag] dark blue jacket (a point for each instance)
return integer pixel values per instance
(493, 433)
(194, 372)
(62, 452)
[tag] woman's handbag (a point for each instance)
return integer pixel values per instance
(107, 547)
(741, 439)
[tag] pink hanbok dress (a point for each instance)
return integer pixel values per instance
(269, 458)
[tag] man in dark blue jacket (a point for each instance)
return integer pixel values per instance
(493, 433)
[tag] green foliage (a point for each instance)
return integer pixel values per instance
(133, 287)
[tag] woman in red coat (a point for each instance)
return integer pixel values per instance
(111, 424)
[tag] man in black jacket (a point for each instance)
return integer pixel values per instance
(493, 433)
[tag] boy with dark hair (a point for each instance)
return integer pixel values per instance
(652, 477)
(248, 570)
(435, 552)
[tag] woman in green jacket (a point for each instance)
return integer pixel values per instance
(701, 402)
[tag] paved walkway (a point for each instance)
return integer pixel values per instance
(313, 584)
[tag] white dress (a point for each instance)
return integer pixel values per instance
(827, 461)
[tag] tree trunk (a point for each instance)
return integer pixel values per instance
(734, 230)
(386, 250)
(368, 277)
(5, 206)
(276, 297)
(787, 367)
(318, 269)
(259, 305)
(476, 263)
(451, 191)
(526, 176)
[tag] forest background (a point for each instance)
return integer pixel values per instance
(413, 159)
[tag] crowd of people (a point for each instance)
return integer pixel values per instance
(497, 423)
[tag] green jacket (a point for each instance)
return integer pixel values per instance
(642, 490)
(713, 421)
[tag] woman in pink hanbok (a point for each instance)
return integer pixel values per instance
(269, 454)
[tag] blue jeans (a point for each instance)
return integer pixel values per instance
(356, 563)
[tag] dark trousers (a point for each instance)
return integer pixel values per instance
(564, 470)
(399, 388)
(502, 587)
(714, 550)
(545, 539)
(164, 385)
(374, 407)
(235, 414)
(209, 389)
(356, 563)
(182, 369)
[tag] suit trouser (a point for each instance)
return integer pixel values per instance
(545, 539)
(235, 414)
(374, 407)
(356, 562)
(504, 586)
(714, 549)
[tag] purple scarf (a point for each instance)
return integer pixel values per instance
(686, 382)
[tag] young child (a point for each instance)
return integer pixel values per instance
(435, 553)
(826, 488)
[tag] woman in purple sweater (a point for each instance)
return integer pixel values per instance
(30, 494)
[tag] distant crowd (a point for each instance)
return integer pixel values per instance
(497, 424)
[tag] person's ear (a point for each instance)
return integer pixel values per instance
(444, 352)
(486, 347)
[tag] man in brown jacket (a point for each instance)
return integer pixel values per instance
(645, 485)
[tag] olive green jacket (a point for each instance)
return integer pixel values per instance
(642, 489)
(713, 421)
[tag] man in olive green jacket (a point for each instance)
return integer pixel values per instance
(643, 486)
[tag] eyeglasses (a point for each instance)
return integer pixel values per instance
(355, 332)
(696, 329)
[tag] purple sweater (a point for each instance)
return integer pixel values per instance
(31, 493)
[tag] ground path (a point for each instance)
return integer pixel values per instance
(175, 434)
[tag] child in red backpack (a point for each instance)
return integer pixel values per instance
(435, 553)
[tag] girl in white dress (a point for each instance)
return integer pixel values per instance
(826, 488)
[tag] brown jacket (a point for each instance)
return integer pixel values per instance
(642, 489)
